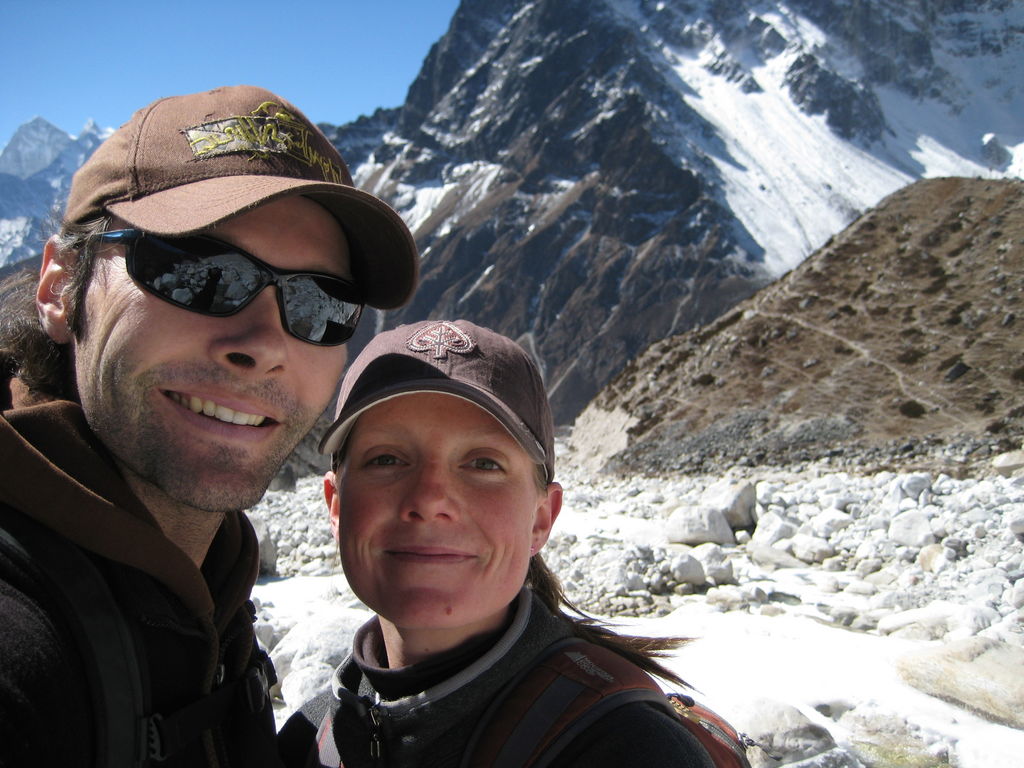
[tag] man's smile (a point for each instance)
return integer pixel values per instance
(216, 410)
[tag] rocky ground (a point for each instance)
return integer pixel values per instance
(901, 551)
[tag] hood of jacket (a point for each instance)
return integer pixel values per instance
(56, 471)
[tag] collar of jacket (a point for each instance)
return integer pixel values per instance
(57, 472)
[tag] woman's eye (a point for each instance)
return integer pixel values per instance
(487, 464)
(384, 460)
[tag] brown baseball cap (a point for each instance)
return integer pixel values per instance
(185, 163)
(456, 358)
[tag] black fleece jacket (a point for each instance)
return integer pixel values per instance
(192, 627)
(432, 729)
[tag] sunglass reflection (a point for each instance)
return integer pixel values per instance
(208, 276)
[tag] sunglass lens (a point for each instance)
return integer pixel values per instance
(199, 276)
(204, 275)
(319, 309)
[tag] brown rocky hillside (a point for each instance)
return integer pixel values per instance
(902, 337)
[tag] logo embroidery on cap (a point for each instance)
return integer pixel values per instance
(441, 338)
(270, 129)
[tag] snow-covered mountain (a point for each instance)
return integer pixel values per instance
(35, 176)
(594, 175)
(591, 176)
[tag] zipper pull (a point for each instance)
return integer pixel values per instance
(376, 743)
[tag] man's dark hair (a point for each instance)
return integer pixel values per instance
(26, 351)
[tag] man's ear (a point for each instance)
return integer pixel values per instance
(50, 299)
(332, 497)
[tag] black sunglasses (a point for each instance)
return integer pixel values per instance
(215, 278)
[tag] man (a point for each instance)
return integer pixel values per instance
(185, 332)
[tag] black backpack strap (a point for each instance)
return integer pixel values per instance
(166, 734)
(76, 587)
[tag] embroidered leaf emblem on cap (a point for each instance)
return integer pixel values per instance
(441, 338)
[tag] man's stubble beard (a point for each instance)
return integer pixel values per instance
(207, 476)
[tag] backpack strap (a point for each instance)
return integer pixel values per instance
(570, 686)
(166, 734)
(76, 587)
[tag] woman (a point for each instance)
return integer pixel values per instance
(441, 498)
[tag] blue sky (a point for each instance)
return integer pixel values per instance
(68, 60)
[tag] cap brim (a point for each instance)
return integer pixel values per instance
(385, 262)
(338, 432)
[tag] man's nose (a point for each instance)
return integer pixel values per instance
(253, 340)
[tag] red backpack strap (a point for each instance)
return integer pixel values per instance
(572, 685)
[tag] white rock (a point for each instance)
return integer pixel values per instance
(733, 500)
(1017, 594)
(305, 682)
(859, 587)
(324, 639)
(772, 528)
(911, 529)
(973, 673)
(916, 484)
(933, 617)
(728, 598)
(687, 569)
(717, 567)
(811, 549)
(765, 492)
(826, 524)
(1008, 464)
(267, 545)
(697, 525)
(932, 558)
(939, 619)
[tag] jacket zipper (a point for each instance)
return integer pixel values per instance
(376, 714)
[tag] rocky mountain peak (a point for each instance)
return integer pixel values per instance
(33, 147)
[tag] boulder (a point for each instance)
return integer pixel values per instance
(734, 500)
(717, 568)
(267, 545)
(932, 558)
(687, 569)
(772, 558)
(1009, 464)
(978, 673)
(911, 529)
(697, 525)
(786, 735)
(883, 738)
(829, 522)
(316, 645)
(811, 549)
(772, 528)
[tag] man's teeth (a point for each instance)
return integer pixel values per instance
(217, 411)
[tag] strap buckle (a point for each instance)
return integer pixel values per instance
(256, 687)
(155, 742)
